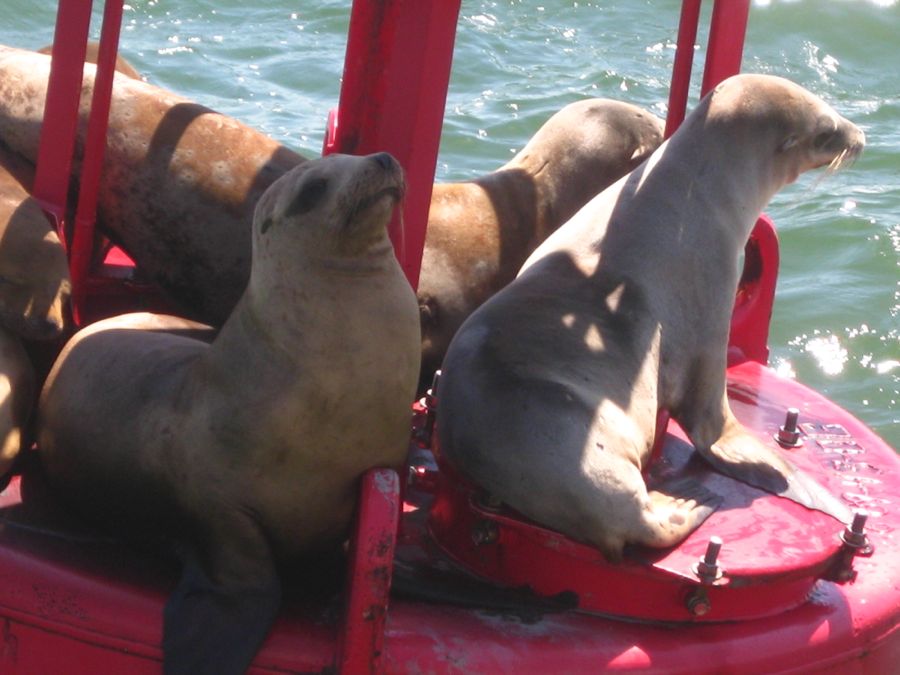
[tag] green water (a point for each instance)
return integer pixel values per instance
(836, 325)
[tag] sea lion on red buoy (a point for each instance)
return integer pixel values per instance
(480, 232)
(550, 391)
(243, 448)
(180, 181)
(34, 271)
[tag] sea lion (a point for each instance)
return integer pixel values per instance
(180, 181)
(550, 391)
(480, 232)
(242, 448)
(17, 388)
(34, 271)
(92, 52)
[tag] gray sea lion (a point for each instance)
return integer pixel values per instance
(480, 232)
(550, 391)
(34, 271)
(180, 181)
(242, 448)
(17, 389)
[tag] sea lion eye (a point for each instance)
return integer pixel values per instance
(310, 194)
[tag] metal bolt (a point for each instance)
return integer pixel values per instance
(484, 532)
(788, 436)
(707, 569)
(854, 535)
(698, 603)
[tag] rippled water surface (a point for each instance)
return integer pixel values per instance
(277, 66)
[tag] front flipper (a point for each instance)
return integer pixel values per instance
(740, 455)
(216, 628)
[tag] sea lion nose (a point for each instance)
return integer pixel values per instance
(384, 160)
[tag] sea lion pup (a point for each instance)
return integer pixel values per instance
(34, 271)
(550, 390)
(480, 232)
(241, 449)
(180, 181)
(17, 389)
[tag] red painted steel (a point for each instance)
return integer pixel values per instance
(749, 333)
(725, 48)
(92, 164)
(54, 162)
(370, 564)
(396, 74)
(681, 69)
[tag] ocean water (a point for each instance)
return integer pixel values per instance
(836, 324)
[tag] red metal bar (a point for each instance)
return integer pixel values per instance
(727, 30)
(54, 161)
(92, 164)
(371, 564)
(681, 70)
(396, 74)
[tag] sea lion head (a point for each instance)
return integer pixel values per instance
(34, 273)
(337, 206)
(791, 125)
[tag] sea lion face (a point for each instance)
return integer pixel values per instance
(34, 272)
(336, 206)
(795, 127)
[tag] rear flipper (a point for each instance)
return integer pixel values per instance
(740, 455)
(676, 508)
(213, 629)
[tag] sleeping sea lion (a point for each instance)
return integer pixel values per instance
(180, 181)
(480, 232)
(241, 449)
(550, 391)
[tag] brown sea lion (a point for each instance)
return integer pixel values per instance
(242, 449)
(17, 390)
(550, 390)
(34, 271)
(480, 232)
(180, 181)
(93, 52)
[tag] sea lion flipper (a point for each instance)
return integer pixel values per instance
(677, 508)
(213, 629)
(740, 455)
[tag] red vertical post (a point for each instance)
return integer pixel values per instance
(396, 74)
(684, 60)
(54, 160)
(725, 47)
(94, 152)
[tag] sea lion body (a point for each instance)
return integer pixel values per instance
(17, 390)
(480, 232)
(245, 447)
(34, 271)
(550, 391)
(180, 181)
